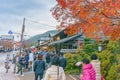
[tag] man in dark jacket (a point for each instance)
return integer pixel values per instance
(22, 64)
(39, 67)
(48, 60)
(63, 61)
(27, 60)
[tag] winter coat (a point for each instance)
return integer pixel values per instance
(7, 62)
(35, 55)
(44, 55)
(48, 58)
(62, 62)
(22, 61)
(88, 72)
(14, 59)
(96, 66)
(52, 73)
(39, 66)
(31, 57)
(27, 58)
(41, 52)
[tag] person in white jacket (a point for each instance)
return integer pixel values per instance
(31, 58)
(55, 72)
(96, 65)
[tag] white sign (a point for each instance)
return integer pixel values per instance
(99, 48)
(68, 50)
(44, 38)
(7, 37)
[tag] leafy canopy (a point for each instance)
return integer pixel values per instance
(96, 18)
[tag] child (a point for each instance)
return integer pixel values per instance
(7, 63)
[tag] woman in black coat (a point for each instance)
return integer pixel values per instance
(39, 67)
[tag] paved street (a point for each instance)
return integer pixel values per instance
(2, 57)
(7, 76)
(30, 76)
(27, 76)
(3, 74)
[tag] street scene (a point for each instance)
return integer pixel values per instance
(60, 40)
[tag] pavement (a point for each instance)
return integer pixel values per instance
(6, 76)
(27, 76)
(3, 75)
(11, 76)
(2, 57)
(30, 76)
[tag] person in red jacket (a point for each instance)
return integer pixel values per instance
(88, 72)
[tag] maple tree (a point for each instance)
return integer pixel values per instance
(96, 18)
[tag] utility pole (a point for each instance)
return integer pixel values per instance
(22, 33)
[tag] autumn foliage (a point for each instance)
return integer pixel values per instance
(96, 18)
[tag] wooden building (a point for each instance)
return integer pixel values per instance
(63, 43)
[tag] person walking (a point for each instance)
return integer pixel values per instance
(17, 62)
(27, 60)
(63, 61)
(96, 65)
(55, 72)
(39, 67)
(14, 62)
(31, 58)
(7, 62)
(35, 54)
(22, 64)
(48, 60)
(44, 54)
(88, 72)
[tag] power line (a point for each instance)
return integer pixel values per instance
(39, 23)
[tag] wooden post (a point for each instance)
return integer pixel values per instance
(22, 33)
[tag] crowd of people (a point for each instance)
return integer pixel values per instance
(50, 66)
(35, 60)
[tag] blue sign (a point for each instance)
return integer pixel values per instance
(10, 32)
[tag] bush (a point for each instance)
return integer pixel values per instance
(114, 46)
(111, 73)
(109, 58)
(71, 60)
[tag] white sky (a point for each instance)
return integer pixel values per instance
(12, 13)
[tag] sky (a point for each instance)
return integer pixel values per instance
(12, 13)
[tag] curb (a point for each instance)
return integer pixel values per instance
(72, 77)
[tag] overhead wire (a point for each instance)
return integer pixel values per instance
(39, 22)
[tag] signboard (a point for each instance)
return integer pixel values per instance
(68, 50)
(10, 32)
(44, 38)
(7, 37)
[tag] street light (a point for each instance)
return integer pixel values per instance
(100, 47)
